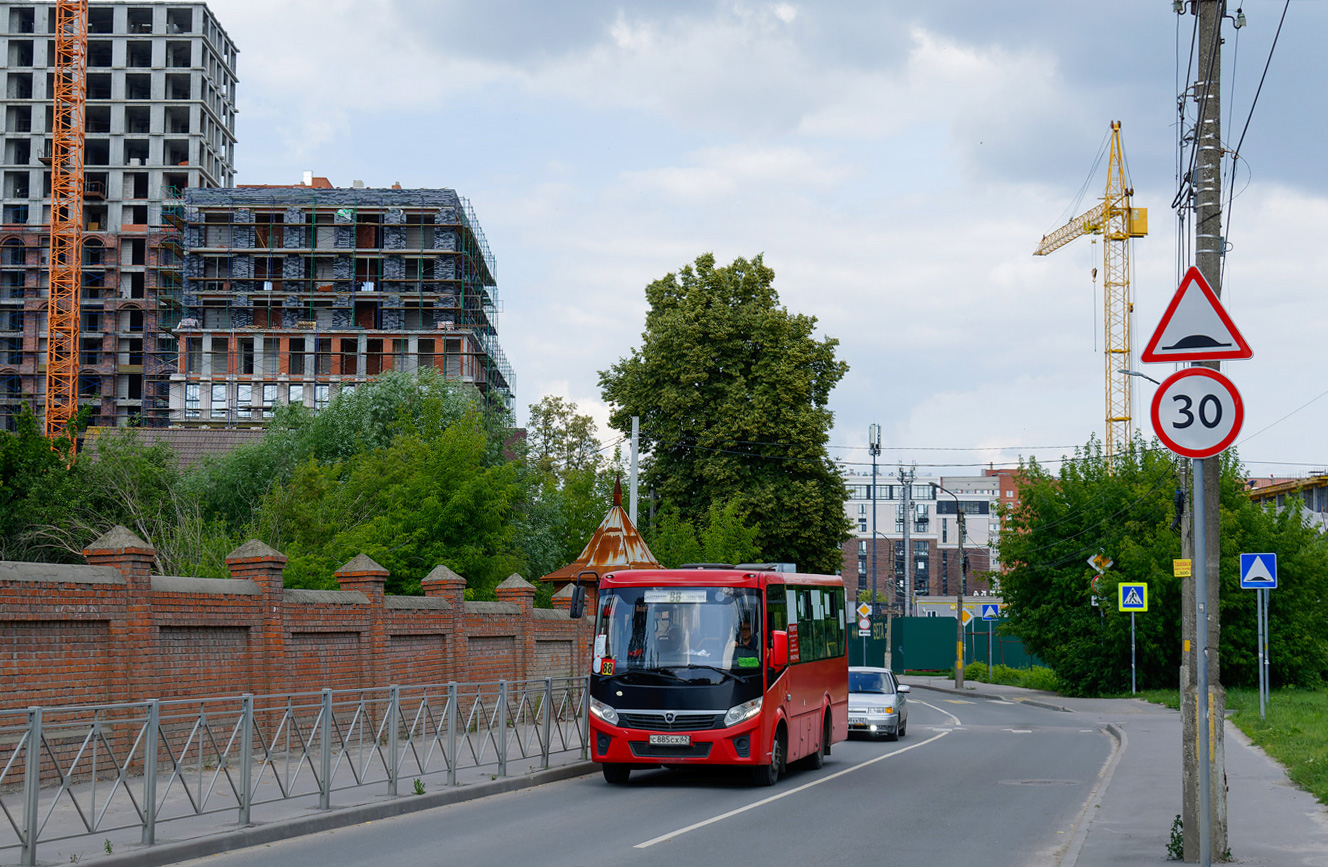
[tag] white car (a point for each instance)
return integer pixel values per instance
(877, 703)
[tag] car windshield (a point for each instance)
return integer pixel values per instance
(656, 628)
(868, 681)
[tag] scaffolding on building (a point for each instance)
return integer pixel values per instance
(165, 309)
(338, 285)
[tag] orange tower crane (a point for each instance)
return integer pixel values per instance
(66, 259)
(1117, 222)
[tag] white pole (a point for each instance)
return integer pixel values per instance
(1258, 616)
(636, 445)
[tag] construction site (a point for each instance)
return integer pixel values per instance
(139, 282)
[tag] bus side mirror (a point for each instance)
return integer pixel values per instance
(578, 606)
(779, 653)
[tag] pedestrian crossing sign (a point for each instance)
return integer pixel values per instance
(1133, 596)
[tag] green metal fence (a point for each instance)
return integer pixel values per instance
(928, 644)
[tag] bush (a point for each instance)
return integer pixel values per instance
(1036, 677)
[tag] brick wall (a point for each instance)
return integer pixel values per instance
(109, 631)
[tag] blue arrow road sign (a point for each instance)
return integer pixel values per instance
(990, 611)
(1258, 571)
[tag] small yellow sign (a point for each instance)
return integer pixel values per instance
(968, 615)
(1180, 568)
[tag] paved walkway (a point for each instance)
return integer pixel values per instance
(1270, 822)
(194, 836)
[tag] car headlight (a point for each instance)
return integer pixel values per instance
(742, 712)
(886, 709)
(604, 712)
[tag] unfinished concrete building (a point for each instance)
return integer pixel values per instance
(160, 118)
(293, 292)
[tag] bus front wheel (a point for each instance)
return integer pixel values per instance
(768, 774)
(616, 774)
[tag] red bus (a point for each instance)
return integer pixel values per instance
(717, 666)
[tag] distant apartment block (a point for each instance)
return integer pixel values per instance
(291, 293)
(933, 560)
(160, 119)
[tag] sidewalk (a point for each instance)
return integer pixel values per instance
(195, 836)
(1270, 822)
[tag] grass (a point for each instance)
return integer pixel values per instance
(1295, 731)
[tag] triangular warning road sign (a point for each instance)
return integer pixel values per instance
(1195, 327)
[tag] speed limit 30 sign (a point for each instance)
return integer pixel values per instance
(1197, 412)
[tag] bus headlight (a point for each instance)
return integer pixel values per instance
(742, 712)
(604, 712)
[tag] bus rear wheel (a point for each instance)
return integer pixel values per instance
(616, 774)
(768, 774)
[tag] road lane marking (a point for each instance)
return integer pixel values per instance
(956, 701)
(761, 803)
(944, 711)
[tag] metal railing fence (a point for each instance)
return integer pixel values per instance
(85, 769)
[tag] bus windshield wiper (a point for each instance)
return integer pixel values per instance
(724, 672)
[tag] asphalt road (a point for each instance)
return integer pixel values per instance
(973, 782)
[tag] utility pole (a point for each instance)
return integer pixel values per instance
(959, 600)
(906, 482)
(874, 445)
(1203, 701)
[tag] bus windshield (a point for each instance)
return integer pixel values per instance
(660, 628)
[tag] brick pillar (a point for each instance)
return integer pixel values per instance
(521, 592)
(366, 576)
(133, 639)
(254, 561)
(443, 583)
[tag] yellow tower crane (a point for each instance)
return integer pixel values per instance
(1117, 222)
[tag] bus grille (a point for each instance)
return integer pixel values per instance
(682, 722)
(644, 750)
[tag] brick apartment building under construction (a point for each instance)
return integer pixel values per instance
(292, 292)
(159, 118)
(201, 303)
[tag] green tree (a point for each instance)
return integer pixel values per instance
(733, 390)
(230, 487)
(722, 537)
(36, 490)
(1127, 514)
(411, 505)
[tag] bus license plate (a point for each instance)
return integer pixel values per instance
(670, 740)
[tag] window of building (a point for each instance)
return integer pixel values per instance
(269, 398)
(191, 400)
(322, 394)
(219, 400)
(296, 394)
(244, 399)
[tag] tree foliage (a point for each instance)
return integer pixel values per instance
(733, 390)
(1127, 514)
(722, 537)
(570, 484)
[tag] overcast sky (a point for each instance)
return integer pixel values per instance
(895, 162)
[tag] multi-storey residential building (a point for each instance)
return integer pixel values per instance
(932, 521)
(160, 118)
(292, 292)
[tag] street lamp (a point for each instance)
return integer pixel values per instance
(959, 600)
(1137, 373)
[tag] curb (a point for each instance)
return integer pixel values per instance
(991, 697)
(257, 835)
(1070, 858)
